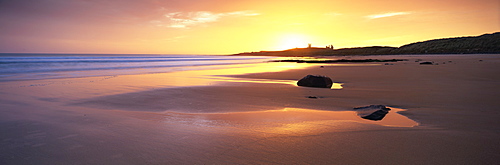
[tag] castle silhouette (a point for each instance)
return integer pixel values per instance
(309, 46)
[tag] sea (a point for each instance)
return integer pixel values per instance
(18, 67)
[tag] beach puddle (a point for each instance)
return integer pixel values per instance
(286, 121)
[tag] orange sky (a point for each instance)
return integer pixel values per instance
(227, 26)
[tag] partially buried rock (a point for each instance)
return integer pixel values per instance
(372, 112)
(315, 81)
(426, 63)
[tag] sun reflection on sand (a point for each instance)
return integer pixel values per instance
(90, 87)
(285, 121)
(267, 81)
(204, 76)
(208, 76)
(223, 75)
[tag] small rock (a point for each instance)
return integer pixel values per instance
(426, 63)
(372, 112)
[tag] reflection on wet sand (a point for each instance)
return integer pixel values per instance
(285, 121)
(78, 88)
(267, 81)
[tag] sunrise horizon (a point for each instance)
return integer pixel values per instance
(177, 27)
(288, 45)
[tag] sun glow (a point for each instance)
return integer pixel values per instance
(291, 41)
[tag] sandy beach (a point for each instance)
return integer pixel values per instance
(446, 113)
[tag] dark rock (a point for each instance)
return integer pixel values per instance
(315, 81)
(372, 112)
(376, 107)
(426, 63)
(312, 97)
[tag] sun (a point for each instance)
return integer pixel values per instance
(290, 41)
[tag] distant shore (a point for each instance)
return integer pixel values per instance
(483, 44)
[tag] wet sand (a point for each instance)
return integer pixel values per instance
(442, 114)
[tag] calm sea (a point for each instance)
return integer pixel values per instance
(15, 67)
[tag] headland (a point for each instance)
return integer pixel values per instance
(483, 44)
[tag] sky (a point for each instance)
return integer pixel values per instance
(229, 26)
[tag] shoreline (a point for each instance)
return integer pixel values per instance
(220, 117)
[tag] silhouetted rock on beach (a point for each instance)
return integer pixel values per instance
(372, 112)
(315, 81)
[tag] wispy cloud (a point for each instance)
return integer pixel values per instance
(189, 19)
(383, 15)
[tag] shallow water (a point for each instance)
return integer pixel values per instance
(287, 120)
(48, 66)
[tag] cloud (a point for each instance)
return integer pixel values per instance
(241, 13)
(383, 15)
(189, 19)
